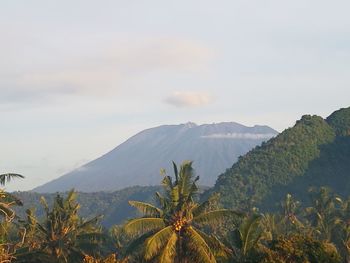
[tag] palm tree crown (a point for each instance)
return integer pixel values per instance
(170, 232)
(62, 236)
(6, 199)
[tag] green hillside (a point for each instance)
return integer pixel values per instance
(314, 152)
(112, 205)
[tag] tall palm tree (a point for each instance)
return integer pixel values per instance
(63, 236)
(171, 232)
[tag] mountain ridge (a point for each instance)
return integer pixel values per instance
(314, 152)
(138, 160)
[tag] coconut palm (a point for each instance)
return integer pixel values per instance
(62, 237)
(171, 232)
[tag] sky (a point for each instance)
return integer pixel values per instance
(77, 78)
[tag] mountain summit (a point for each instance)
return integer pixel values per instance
(137, 161)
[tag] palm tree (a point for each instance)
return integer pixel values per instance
(6, 199)
(63, 236)
(170, 232)
(344, 231)
(325, 212)
(245, 239)
(7, 214)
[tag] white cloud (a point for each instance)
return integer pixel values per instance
(189, 99)
(250, 136)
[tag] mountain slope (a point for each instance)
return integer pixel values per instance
(212, 147)
(314, 152)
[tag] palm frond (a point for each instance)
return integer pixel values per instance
(250, 232)
(7, 212)
(175, 195)
(167, 182)
(142, 225)
(169, 251)
(157, 241)
(134, 245)
(91, 222)
(72, 196)
(200, 251)
(176, 173)
(11, 198)
(194, 188)
(216, 246)
(44, 204)
(162, 201)
(185, 178)
(8, 177)
(147, 209)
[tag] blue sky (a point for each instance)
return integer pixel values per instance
(79, 77)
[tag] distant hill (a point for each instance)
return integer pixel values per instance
(113, 206)
(212, 147)
(315, 152)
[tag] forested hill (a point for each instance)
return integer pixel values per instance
(113, 206)
(315, 152)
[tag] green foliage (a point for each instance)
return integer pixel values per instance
(298, 248)
(244, 240)
(325, 212)
(340, 121)
(7, 215)
(171, 232)
(314, 152)
(276, 163)
(62, 236)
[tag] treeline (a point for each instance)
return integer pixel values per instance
(179, 229)
(113, 206)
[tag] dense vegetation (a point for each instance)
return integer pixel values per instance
(180, 230)
(314, 152)
(340, 121)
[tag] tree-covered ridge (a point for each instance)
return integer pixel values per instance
(331, 168)
(109, 204)
(275, 163)
(340, 121)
